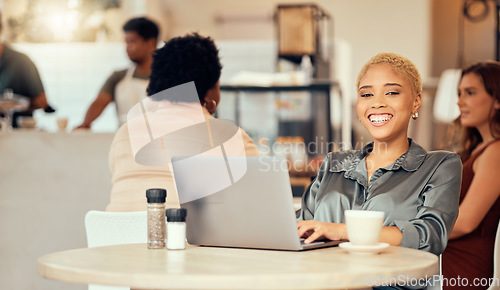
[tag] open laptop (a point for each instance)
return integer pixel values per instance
(243, 202)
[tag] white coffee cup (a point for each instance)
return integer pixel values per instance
(363, 226)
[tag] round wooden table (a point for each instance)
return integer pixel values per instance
(228, 268)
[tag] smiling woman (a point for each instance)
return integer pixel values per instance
(387, 99)
(417, 190)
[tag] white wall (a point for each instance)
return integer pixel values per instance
(72, 75)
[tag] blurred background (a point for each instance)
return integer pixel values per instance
(76, 44)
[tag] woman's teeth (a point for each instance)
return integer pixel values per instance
(380, 118)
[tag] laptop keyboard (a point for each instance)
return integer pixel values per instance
(304, 245)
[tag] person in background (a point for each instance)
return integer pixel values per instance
(470, 250)
(19, 73)
(181, 60)
(417, 190)
(126, 87)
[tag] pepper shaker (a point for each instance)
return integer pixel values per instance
(156, 218)
(176, 228)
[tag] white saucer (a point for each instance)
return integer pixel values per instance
(364, 250)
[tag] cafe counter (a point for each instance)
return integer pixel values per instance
(48, 181)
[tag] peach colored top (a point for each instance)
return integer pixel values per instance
(130, 180)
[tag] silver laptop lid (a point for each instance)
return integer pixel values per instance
(246, 201)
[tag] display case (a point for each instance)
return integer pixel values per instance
(293, 122)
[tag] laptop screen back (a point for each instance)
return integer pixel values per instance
(254, 211)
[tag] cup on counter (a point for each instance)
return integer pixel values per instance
(3, 125)
(62, 123)
(363, 226)
(26, 122)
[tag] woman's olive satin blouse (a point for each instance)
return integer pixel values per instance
(418, 192)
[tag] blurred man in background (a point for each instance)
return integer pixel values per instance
(19, 74)
(128, 86)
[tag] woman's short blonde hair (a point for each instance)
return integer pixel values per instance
(399, 64)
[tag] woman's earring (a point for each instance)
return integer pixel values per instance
(414, 116)
(214, 105)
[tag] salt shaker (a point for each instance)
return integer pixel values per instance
(176, 228)
(156, 218)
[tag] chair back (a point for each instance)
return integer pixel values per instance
(496, 262)
(445, 103)
(114, 228)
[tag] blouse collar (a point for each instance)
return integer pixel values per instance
(409, 161)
